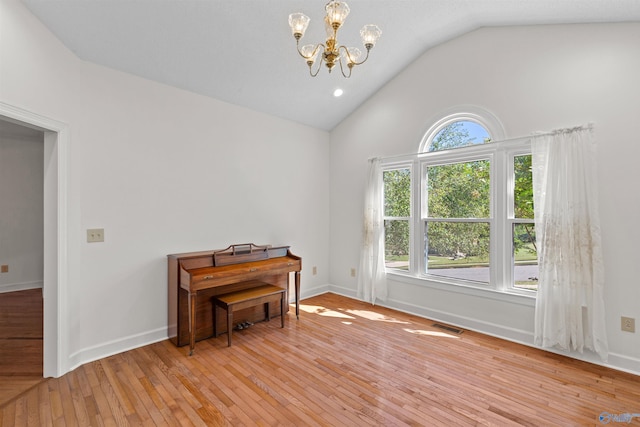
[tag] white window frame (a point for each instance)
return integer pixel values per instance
(392, 167)
(500, 154)
(459, 155)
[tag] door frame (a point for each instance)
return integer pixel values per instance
(55, 271)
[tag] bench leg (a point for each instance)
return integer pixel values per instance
(229, 325)
(282, 309)
(267, 315)
(215, 318)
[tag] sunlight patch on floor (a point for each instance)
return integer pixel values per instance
(372, 315)
(430, 333)
(322, 311)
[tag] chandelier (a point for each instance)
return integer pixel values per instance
(332, 53)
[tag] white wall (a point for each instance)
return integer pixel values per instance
(533, 79)
(162, 171)
(21, 201)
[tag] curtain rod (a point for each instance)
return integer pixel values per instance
(588, 126)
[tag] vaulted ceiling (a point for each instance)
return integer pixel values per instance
(242, 51)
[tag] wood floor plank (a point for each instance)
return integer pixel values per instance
(33, 414)
(57, 412)
(21, 350)
(44, 405)
(8, 416)
(343, 363)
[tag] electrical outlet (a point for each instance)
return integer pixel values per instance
(95, 235)
(628, 324)
(353, 272)
(4, 269)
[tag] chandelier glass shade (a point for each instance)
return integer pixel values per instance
(330, 52)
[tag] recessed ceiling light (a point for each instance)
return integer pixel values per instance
(338, 92)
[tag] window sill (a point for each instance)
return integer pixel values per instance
(510, 297)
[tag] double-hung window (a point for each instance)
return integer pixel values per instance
(462, 212)
(397, 217)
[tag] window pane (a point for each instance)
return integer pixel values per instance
(458, 250)
(459, 190)
(525, 257)
(523, 188)
(397, 192)
(396, 244)
(459, 134)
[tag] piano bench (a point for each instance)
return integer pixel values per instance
(234, 301)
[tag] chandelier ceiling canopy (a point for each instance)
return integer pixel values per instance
(331, 52)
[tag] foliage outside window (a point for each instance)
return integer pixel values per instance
(525, 251)
(471, 222)
(397, 215)
(456, 224)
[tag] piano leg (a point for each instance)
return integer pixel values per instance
(192, 321)
(297, 284)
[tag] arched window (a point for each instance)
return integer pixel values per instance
(461, 127)
(459, 134)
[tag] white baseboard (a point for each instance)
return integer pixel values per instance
(347, 292)
(110, 348)
(318, 290)
(13, 287)
(623, 363)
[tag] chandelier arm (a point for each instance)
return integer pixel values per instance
(314, 50)
(353, 62)
(342, 68)
(317, 70)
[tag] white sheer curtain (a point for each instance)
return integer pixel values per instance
(372, 281)
(569, 311)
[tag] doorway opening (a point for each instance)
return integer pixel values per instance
(54, 231)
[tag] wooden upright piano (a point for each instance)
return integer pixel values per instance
(195, 277)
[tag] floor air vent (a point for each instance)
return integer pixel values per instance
(448, 328)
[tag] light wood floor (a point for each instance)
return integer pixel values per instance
(344, 363)
(20, 342)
